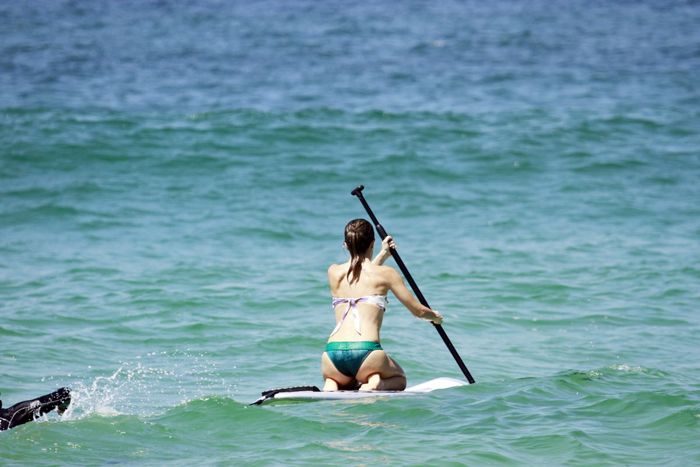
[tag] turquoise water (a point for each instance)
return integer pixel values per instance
(175, 179)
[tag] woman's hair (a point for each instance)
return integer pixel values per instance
(359, 235)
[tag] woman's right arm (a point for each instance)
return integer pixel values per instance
(387, 245)
(405, 296)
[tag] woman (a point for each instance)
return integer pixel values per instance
(353, 354)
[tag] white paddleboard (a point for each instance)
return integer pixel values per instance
(310, 393)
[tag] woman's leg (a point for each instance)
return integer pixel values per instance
(334, 379)
(379, 372)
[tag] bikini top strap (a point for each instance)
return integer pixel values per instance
(352, 303)
(379, 301)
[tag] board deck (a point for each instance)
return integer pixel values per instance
(312, 393)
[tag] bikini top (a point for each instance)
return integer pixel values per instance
(380, 301)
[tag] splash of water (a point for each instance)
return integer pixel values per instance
(148, 386)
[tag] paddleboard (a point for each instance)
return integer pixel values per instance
(312, 393)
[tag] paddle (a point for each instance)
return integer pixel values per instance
(382, 233)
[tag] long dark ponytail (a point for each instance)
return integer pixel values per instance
(359, 235)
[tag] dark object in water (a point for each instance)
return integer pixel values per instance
(24, 412)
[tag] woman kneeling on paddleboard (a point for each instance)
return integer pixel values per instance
(359, 287)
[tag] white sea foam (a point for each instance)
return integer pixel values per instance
(150, 385)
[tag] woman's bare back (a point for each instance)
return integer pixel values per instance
(372, 281)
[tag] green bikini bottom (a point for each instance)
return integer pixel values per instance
(348, 356)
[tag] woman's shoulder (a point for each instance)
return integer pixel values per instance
(387, 274)
(384, 269)
(337, 269)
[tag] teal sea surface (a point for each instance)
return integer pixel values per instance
(175, 178)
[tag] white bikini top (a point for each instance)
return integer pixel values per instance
(380, 301)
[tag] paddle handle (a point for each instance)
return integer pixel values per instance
(382, 233)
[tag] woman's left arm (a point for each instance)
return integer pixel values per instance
(387, 245)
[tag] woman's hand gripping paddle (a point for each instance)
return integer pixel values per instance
(382, 233)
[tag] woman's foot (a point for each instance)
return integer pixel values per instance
(373, 383)
(376, 383)
(330, 385)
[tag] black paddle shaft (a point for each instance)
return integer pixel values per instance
(382, 233)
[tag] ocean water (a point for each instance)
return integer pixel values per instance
(174, 182)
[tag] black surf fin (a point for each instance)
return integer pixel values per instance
(272, 392)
